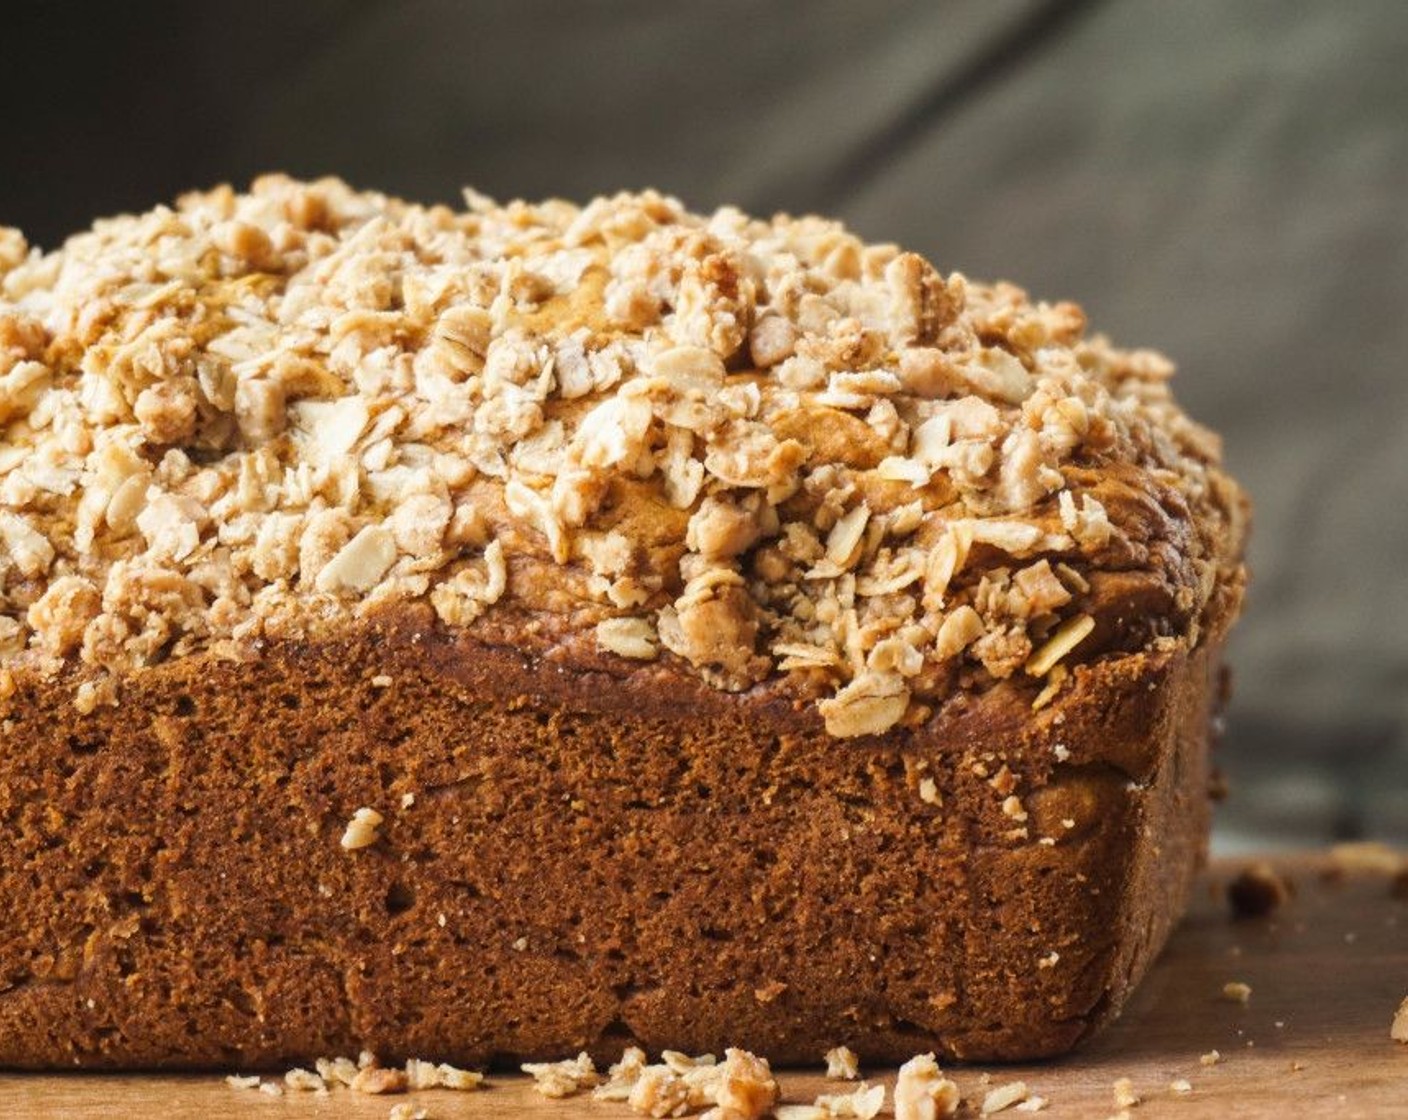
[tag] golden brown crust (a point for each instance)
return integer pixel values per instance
(572, 857)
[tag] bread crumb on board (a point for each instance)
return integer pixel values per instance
(922, 1092)
(1125, 1096)
(1211, 1058)
(1004, 1097)
(1398, 1031)
(240, 1081)
(365, 1076)
(304, 1081)
(565, 1078)
(1258, 890)
(842, 1064)
(1235, 991)
(1366, 856)
(1180, 1085)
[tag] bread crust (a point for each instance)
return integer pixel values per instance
(492, 634)
(576, 856)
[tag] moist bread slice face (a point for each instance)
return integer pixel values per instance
(744, 634)
(575, 858)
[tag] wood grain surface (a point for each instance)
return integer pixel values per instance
(1327, 971)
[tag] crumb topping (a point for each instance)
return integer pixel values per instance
(761, 449)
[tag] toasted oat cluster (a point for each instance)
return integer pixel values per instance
(762, 449)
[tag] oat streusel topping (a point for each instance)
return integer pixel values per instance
(762, 448)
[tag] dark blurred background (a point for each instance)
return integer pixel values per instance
(1226, 180)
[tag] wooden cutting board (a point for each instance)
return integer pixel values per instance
(1327, 971)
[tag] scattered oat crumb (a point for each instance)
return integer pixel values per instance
(336, 1071)
(429, 1075)
(1125, 1096)
(1399, 1031)
(1032, 1104)
(863, 1103)
(271, 1088)
(1257, 891)
(1234, 991)
(745, 1089)
(381, 680)
(376, 1080)
(1279, 1024)
(459, 1080)
(1296, 1067)
(1004, 1096)
(1211, 1058)
(521, 945)
(563, 1079)
(842, 1064)
(922, 1092)
(236, 1081)
(361, 829)
(1368, 856)
(1181, 1085)
(622, 1076)
(406, 1111)
(304, 1081)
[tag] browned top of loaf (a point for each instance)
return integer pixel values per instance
(762, 450)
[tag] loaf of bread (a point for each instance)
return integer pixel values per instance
(490, 634)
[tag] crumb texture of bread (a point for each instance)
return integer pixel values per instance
(498, 634)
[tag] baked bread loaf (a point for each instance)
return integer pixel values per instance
(495, 633)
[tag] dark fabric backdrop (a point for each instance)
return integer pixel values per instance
(1224, 179)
